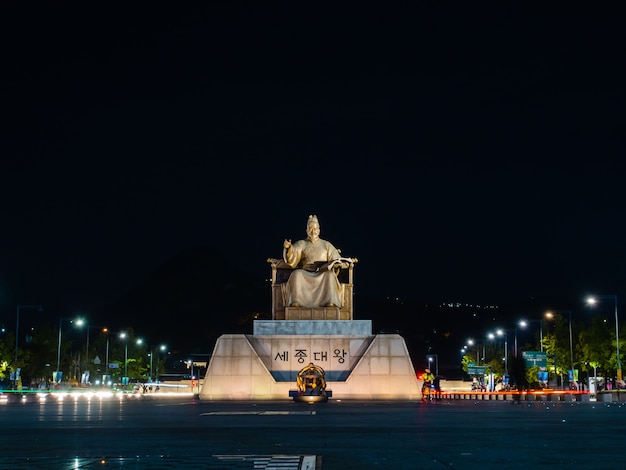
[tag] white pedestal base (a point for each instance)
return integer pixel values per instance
(264, 367)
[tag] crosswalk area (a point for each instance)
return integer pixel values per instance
(222, 462)
(271, 462)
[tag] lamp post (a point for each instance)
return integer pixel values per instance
(492, 385)
(571, 341)
(106, 360)
(430, 359)
(550, 316)
(17, 322)
(506, 350)
(124, 336)
(540, 321)
(592, 301)
(490, 336)
(483, 357)
(80, 322)
(160, 348)
(59, 347)
(521, 324)
(470, 342)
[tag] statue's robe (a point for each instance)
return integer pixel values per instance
(311, 284)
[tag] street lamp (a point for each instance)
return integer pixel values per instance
(59, 348)
(80, 322)
(106, 360)
(550, 316)
(521, 324)
(160, 348)
(571, 342)
(39, 308)
(470, 342)
(592, 301)
(540, 321)
(436, 358)
(490, 336)
(124, 336)
(506, 349)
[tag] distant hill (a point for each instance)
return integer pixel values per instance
(198, 295)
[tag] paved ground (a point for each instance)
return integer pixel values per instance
(182, 432)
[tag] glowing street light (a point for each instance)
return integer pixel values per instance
(470, 342)
(592, 301)
(81, 322)
(124, 336)
(431, 358)
(492, 337)
(160, 348)
(506, 347)
(521, 324)
(571, 343)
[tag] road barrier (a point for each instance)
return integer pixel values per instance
(535, 395)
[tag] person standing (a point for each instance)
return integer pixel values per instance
(428, 378)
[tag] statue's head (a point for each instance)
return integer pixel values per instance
(313, 227)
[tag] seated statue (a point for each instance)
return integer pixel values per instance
(313, 283)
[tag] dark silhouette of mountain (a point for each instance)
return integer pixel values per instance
(191, 300)
(198, 295)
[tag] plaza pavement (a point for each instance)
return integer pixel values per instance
(180, 431)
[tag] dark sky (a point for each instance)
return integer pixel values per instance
(461, 153)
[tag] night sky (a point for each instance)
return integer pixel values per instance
(460, 153)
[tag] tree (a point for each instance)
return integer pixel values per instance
(6, 355)
(595, 345)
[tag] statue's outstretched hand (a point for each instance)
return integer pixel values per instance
(287, 244)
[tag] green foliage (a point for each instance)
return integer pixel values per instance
(596, 348)
(593, 346)
(465, 362)
(6, 354)
(38, 357)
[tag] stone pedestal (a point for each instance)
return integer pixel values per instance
(264, 365)
(318, 313)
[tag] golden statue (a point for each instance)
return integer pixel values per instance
(313, 282)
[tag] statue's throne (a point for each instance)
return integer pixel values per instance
(280, 274)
